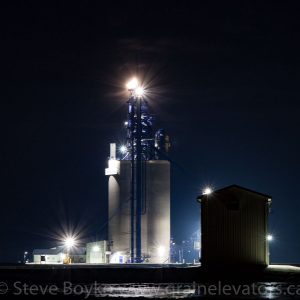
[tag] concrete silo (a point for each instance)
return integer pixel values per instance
(234, 223)
(155, 218)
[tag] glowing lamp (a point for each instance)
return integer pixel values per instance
(139, 92)
(132, 84)
(96, 248)
(70, 242)
(207, 191)
(123, 149)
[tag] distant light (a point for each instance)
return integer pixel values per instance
(139, 92)
(123, 149)
(161, 250)
(117, 258)
(132, 84)
(270, 237)
(126, 123)
(70, 242)
(207, 191)
(96, 248)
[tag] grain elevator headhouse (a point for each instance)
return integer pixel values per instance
(139, 188)
(234, 223)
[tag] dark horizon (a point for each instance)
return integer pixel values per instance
(223, 80)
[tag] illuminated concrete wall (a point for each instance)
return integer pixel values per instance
(119, 213)
(155, 217)
(158, 210)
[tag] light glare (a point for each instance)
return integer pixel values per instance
(70, 242)
(123, 149)
(96, 248)
(161, 250)
(117, 258)
(139, 91)
(269, 237)
(132, 84)
(207, 191)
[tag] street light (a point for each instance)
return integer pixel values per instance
(269, 237)
(69, 242)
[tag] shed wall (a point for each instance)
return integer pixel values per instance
(234, 228)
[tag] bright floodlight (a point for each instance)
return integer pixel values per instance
(269, 237)
(123, 149)
(132, 84)
(207, 191)
(96, 248)
(70, 242)
(139, 92)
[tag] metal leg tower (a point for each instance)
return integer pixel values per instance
(142, 144)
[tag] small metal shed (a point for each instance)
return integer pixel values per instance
(234, 223)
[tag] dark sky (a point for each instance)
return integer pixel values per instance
(223, 79)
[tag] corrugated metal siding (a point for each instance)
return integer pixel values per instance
(234, 236)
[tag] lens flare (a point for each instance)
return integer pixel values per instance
(132, 84)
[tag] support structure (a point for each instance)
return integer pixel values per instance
(140, 146)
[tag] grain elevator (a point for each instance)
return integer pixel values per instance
(139, 188)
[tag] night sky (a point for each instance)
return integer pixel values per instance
(222, 79)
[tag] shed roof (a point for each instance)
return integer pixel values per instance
(234, 186)
(58, 250)
(52, 251)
